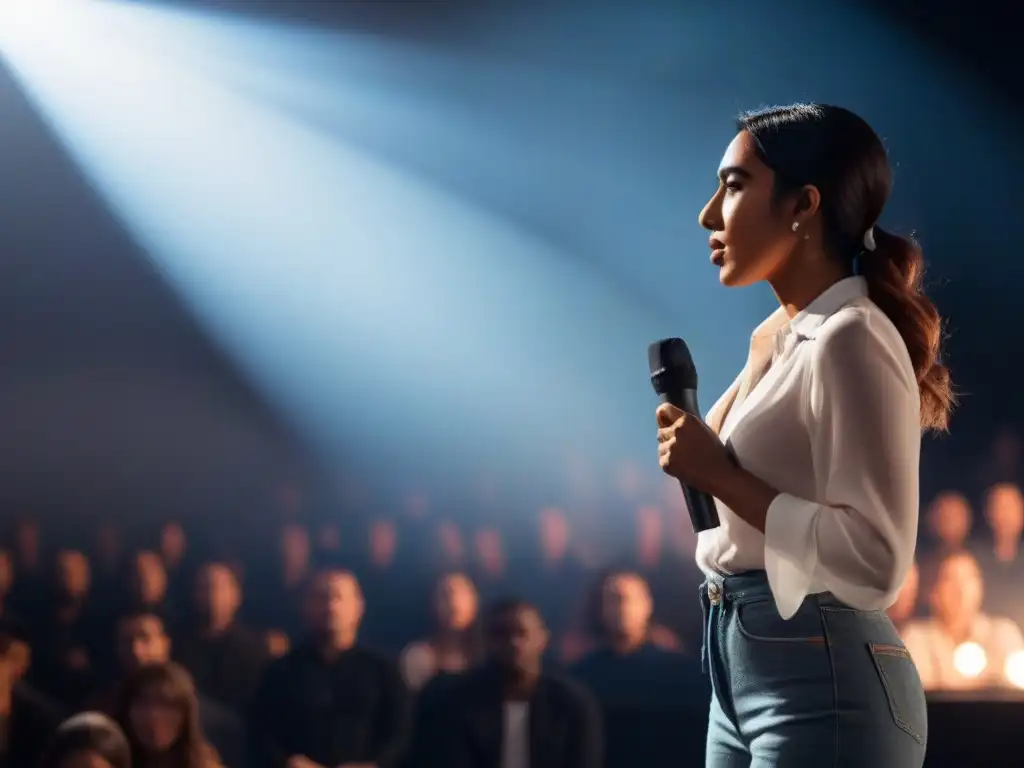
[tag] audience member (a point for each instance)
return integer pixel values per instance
(949, 522)
(282, 589)
(945, 529)
(148, 586)
(960, 647)
(157, 708)
(558, 578)
(224, 658)
(142, 642)
(173, 550)
(455, 643)
(668, 574)
(27, 720)
(450, 547)
(490, 562)
(173, 546)
(68, 635)
(510, 712)
(140, 639)
(329, 702)
(638, 684)
(1001, 559)
(29, 594)
(390, 587)
(88, 740)
(621, 621)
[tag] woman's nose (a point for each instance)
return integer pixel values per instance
(710, 215)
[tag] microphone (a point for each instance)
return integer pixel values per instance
(674, 378)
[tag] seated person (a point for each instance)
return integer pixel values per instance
(959, 647)
(455, 643)
(142, 641)
(511, 712)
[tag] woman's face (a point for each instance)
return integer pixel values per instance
(156, 719)
(750, 237)
(83, 758)
(456, 602)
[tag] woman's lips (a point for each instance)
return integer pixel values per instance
(717, 251)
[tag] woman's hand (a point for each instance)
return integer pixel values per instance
(689, 451)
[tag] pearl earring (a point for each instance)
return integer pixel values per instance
(796, 225)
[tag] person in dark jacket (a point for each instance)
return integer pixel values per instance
(224, 658)
(510, 712)
(27, 719)
(143, 641)
(642, 688)
(328, 702)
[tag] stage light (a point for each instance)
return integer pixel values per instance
(1014, 669)
(970, 660)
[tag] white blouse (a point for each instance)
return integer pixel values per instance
(827, 411)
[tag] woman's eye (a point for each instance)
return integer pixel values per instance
(732, 186)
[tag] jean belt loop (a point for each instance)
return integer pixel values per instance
(705, 625)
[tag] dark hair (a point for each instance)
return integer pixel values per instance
(138, 613)
(836, 151)
(191, 749)
(89, 732)
(501, 608)
(12, 631)
(322, 568)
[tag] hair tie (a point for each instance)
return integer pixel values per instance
(869, 239)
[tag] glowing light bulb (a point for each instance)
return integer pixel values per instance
(969, 659)
(1014, 669)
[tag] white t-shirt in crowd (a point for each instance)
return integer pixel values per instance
(515, 742)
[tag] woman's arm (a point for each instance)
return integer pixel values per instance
(747, 495)
(862, 410)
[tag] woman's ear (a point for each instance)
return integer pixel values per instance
(807, 203)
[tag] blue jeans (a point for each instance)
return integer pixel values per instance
(832, 687)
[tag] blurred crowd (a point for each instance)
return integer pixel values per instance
(961, 609)
(356, 638)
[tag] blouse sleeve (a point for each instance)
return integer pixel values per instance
(862, 411)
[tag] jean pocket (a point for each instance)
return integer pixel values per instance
(759, 621)
(902, 685)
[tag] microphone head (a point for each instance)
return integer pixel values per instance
(672, 367)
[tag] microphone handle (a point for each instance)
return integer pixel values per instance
(701, 506)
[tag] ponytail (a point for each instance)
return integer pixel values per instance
(894, 271)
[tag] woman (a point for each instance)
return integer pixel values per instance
(88, 740)
(159, 711)
(455, 643)
(815, 460)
